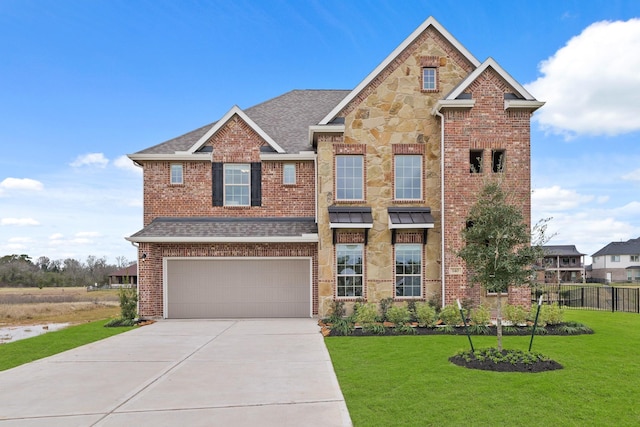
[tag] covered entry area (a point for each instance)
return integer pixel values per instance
(237, 287)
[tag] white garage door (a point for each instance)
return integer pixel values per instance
(238, 287)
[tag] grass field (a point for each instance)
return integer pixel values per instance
(24, 351)
(27, 306)
(408, 380)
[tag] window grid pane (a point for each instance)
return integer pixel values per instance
(236, 184)
(428, 79)
(349, 270)
(349, 179)
(176, 174)
(408, 270)
(289, 174)
(408, 177)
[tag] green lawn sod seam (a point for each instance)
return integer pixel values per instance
(408, 380)
(19, 352)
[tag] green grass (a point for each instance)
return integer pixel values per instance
(408, 380)
(16, 353)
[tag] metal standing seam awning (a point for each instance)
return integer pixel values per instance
(410, 218)
(350, 217)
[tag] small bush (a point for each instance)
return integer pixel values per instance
(338, 311)
(425, 314)
(399, 315)
(549, 314)
(366, 313)
(119, 322)
(514, 314)
(343, 327)
(450, 315)
(481, 315)
(128, 303)
(385, 304)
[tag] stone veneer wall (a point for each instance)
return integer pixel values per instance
(392, 115)
(150, 280)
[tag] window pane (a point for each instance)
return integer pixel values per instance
(176, 174)
(349, 175)
(236, 184)
(428, 78)
(408, 270)
(289, 174)
(349, 270)
(408, 177)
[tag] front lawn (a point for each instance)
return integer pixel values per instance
(408, 380)
(16, 353)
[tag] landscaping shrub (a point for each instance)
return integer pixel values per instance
(450, 315)
(425, 314)
(514, 314)
(366, 313)
(481, 315)
(399, 315)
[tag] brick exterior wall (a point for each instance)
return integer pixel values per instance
(235, 142)
(150, 280)
(486, 126)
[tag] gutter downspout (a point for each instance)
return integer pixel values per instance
(442, 266)
(137, 246)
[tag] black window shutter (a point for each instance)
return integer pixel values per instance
(256, 184)
(217, 187)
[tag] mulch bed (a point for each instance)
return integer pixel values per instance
(459, 330)
(489, 365)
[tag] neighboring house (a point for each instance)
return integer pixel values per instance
(125, 276)
(318, 196)
(617, 262)
(562, 263)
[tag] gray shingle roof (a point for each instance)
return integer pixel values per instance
(630, 247)
(286, 119)
(214, 227)
(561, 250)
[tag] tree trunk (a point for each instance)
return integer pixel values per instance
(499, 320)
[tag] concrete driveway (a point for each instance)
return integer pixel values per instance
(183, 373)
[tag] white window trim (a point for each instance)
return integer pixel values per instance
(361, 176)
(361, 275)
(171, 170)
(395, 275)
(284, 174)
(225, 185)
(395, 177)
(435, 79)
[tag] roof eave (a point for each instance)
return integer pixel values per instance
(317, 129)
(304, 238)
(452, 103)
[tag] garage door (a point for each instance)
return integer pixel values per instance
(227, 288)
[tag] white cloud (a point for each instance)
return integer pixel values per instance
(20, 240)
(20, 222)
(85, 234)
(125, 163)
(556, 198)
(20, 184)
(91, 159)
(632, 176)
(56, 236)
(591, 84)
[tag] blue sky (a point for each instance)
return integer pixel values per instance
(83, 83)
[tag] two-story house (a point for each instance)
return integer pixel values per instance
(617, 262)
(317, 196)
(562, 263)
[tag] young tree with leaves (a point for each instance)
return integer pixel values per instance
(498, 249)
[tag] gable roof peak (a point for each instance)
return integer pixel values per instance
(235, 110)
(429, 22)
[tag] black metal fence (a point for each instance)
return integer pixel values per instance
(606, 298)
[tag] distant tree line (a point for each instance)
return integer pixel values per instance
(22, 271)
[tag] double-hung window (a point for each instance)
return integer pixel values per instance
(237, 179)
(349, 177)
(429, 76)
(408, 177)
(289, 174)
(615, 258)
(349, 260)
(634, 258)
(408, 270)
(176, 174)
